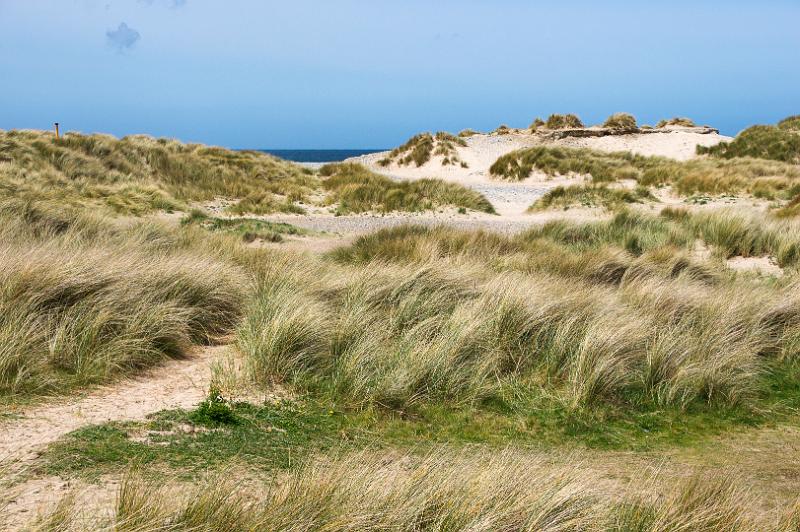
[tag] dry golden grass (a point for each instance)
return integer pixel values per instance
(445, 490)
(762, 178)
(83, 300)
(139, 174)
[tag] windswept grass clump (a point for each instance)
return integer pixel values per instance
(444, 490)
(466, 133)
(767, 179)
(419, 149)
(356, 189)
(791, 209)
(790, 123)
(82, 302)
(777, 143)
(590, 196)
(621, 121)
(536, 124)
(603, 167)
(250, 229)
(615, 312)
(568, 121)
(676, 121)
(139, 174)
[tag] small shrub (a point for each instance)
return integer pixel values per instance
(676, 121)
(620, 121)
(568, 121)
(214, 411)
(536, 124)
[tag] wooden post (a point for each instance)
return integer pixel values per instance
(56, 124)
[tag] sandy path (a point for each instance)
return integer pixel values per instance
(176, 384)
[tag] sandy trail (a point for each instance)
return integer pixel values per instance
(176, 384)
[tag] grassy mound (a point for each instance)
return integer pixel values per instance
(568, 121)
(762, 178)
(419, 149)
(623, 121)
(139, 174)
(83, 301)
(777, 143)
(791, 123)
(606, 313)
(676, 121)
(590, 196)
(249, 229)
(356, 189)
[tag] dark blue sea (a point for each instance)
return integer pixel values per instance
(318, 156)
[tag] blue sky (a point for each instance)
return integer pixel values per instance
(369, 73)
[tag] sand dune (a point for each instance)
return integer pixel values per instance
(512, 199)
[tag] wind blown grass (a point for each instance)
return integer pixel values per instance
(777, 143)
(616, 312)
(82, 303)
(139, 174)
(590, 196)
(759, 177)
(444, 490)
(356, 189)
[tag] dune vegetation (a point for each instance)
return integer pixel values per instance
(139, 174)
(676, 121)
(777, 143)
(476, 491)
(419, 149)
(622, 121)
(84, 300)
(413, 378)
(759, 177)
(355, 189)
(590, 195)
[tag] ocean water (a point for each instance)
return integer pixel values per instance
(318, 156)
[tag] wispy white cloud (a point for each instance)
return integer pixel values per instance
(122, 38)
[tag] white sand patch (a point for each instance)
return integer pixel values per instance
(761, 265)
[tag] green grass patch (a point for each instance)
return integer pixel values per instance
(777, 143)
(250, 229)
(590, 196)
(283, 435)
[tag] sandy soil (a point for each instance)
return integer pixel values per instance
(176, 384)
(512, 199)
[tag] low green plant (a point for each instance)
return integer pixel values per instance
(214, 411)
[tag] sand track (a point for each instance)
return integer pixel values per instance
(176, 384)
